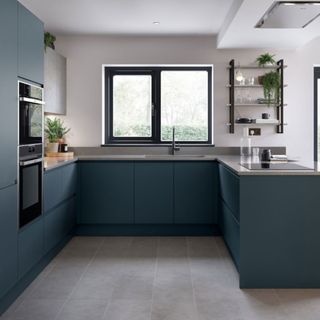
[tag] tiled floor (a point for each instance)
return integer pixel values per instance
(150, 278)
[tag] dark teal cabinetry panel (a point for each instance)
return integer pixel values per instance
(8, 92)
(52, 188)
(153, 192)
(58, 223)
(8, 238)
(30, 46)
(59, 185)
(229, 189)
(69, 180)
(106, 192)
(31, 245)
(195, 192)
(231, 231)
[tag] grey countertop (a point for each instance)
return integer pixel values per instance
(55, 162)
(232, 162)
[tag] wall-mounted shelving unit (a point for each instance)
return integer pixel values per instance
(232, 86)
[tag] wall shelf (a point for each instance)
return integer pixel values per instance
(279, 67)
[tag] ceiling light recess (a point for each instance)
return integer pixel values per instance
(289, 15)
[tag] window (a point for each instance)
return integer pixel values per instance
(143, 104)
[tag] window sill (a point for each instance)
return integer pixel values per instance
(157, 145)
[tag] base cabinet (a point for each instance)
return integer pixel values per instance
(8, 238)
(31, 245)
(195, 193)
(153, 193)
(106, 192)
(58, 223)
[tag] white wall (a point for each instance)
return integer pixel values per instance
(86, 54)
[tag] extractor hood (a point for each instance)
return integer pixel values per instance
(290, 14)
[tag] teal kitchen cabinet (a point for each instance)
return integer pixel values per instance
(30, 245)
(153, 192)
(229, 189)
(106, 192)
(60, 186)
(59, 223)
(8, 93)
(30, 46)
(195, 192)
(8, 238)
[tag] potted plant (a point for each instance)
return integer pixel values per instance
(55, 132)
(49, 40)
(266, 59)
(271, 86)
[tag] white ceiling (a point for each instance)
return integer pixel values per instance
(239, 32)
(184, 17)
(232, 20)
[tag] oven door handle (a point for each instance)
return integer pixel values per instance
(27, 163)
(35, 101)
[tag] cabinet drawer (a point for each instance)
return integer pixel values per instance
(31, 246)
(229, 189)
(52, 188)
(69, 180)
(231, 232)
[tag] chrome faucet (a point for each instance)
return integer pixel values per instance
(174, 147)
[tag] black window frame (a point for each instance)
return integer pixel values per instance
(155, 72)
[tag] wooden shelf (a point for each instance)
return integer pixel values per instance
(256, 105)
(256, 67)
(248, 86)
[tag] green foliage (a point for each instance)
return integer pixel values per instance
(265, 58)
(271, 86)
(55, 129)
(183, 133)
(49, 40)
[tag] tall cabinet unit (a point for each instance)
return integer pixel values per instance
(30, 46)
(8, 93)
(239, 102)
(8, 145)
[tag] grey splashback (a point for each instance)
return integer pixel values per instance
(158, 150)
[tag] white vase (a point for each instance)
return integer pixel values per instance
(52, 147)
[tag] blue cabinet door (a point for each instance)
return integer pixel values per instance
(69, 180)
(229, 189)
(52, 188)
(8, 238)
(106, 192)
(153, 192)
(59, 223)
(196, 191)
(30, 46)
(31, 245)
(8, 93)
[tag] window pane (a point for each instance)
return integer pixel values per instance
(132, 106)
(184, 104)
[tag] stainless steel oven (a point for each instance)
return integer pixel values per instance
(30, 183)
(30, 113)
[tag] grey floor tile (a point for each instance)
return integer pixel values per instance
(173, 309)
(83, 309)
(37, 309)
(137, 288)
(55, 286)
(125, 309)
(94, 287)
(172, 247)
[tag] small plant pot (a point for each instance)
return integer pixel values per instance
(53, 147)
(260, 80)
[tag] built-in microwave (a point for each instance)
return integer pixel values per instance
(30, 113)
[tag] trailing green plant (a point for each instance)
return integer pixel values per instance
(55, 129)
(271, 86)
(265, 58)
(49, 40)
